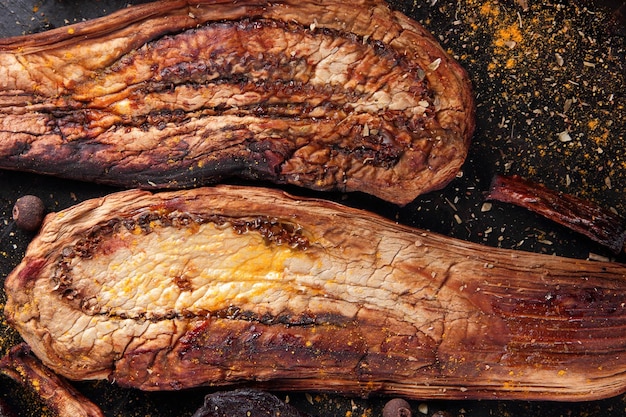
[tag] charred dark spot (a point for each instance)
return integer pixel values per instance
(582, 302)
(231, 312)
(274, 232)
(129, 224)
(183, 282)
(269, 155)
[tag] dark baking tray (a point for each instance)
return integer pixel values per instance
(538, 68)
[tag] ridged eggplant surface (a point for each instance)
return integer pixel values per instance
(329, 95)
(228, 285)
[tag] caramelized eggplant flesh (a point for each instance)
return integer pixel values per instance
(176, 94)
(229, 285)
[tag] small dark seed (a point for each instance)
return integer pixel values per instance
(397, 408)
(28, 212)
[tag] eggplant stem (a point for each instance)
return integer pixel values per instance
(583, 216)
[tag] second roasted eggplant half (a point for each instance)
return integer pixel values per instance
(326, 95)
(229, 285)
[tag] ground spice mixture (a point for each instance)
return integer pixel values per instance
(550, 81)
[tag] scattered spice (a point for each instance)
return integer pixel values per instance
(564, 136)
(550, 81)
(28, 212)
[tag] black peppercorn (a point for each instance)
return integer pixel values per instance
(28, 212)
(397, 408)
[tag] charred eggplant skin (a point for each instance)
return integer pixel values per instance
(333, 96)
(245, 402)
(59, 396)
(225, 285)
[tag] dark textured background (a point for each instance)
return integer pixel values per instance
(539, 68)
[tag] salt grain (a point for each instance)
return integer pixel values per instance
(564, 137)
(559, 60)
(434, 65)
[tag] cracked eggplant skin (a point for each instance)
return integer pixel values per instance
(226, 285)
(177, 94)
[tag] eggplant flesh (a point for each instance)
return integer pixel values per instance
(227, 285)
(178, 94)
